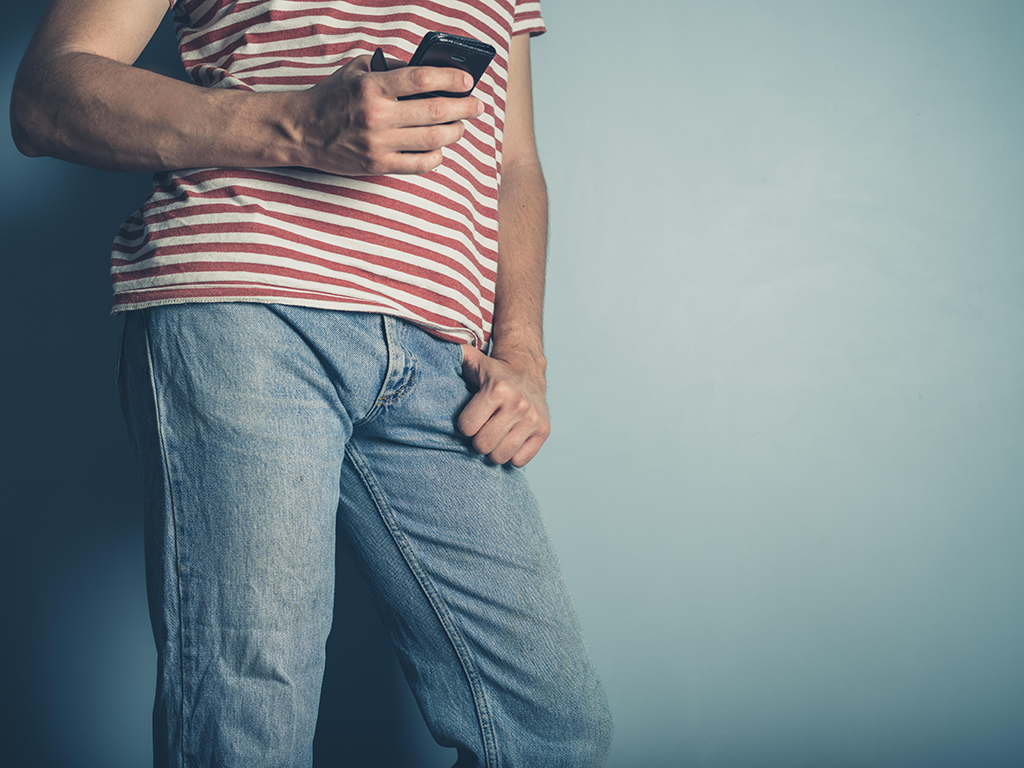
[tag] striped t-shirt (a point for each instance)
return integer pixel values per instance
(423, 248)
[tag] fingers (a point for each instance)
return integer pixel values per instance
(404, 81)
(513, 432)
(527, 451)
(436, 111)
(439, 110)
(410, 150)
(353, 123)
(427, 138)
(507, 418)
(407, 162)
(412, 81)
(420, 125)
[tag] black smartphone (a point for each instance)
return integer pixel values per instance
(440, 49)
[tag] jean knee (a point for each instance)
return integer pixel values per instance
(578, 731)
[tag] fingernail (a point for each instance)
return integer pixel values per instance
(468, 80)
(479, 108)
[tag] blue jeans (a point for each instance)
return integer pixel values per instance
(262, 430)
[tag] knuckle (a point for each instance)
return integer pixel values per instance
(374, 164)
(421, 78)
(428, 162)
(437, 111)
(365, 88)
(371, 117)
(434, 137)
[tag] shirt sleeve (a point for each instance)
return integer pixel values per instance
(528, 19)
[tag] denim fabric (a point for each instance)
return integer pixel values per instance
(262, 430)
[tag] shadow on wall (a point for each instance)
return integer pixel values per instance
(80, 677)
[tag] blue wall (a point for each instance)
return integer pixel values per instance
(785, 324)
(786, 320)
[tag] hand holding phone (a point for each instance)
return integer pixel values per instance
(440, 49)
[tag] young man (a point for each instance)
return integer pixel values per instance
(309, 292)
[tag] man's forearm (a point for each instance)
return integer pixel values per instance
(76, 97)
(99, 112)
(517, 334)
(508, 416)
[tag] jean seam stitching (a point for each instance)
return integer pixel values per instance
(165, 461)
(391, 340)
(436, 603)
(411, 362)
(393, 335)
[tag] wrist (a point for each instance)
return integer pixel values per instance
(282, 114)
(520, 354)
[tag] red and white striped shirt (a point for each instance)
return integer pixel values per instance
(423, 248)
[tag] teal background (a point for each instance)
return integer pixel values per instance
(785, 324)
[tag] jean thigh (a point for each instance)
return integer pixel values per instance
(241, 443)
(468, 581)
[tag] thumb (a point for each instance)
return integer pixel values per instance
(471, 360)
